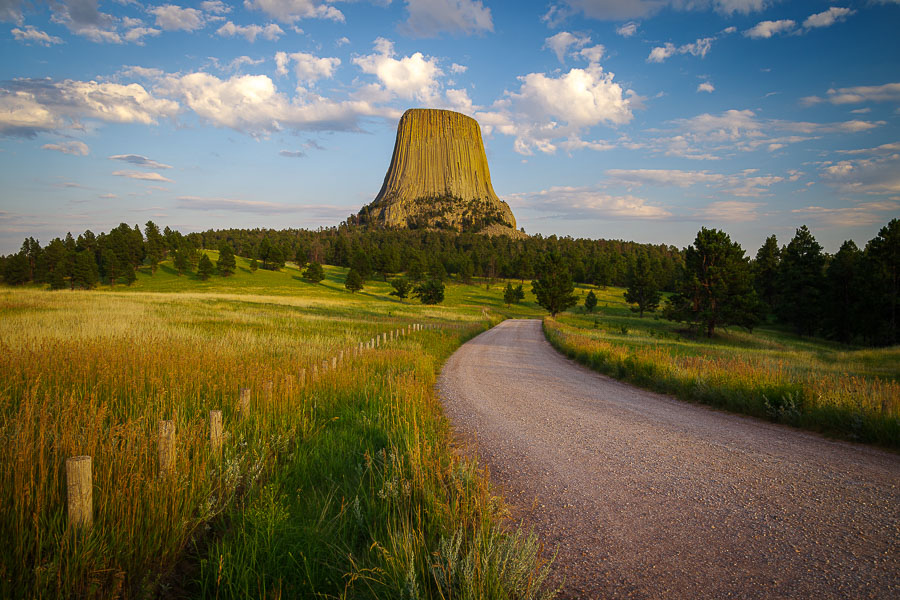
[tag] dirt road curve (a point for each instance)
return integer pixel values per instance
(650, 497)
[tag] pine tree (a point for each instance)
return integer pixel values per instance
(111, 267)
(642, 287)
(402, 287)
(314, 273)
(883, 254)
(716, 288)
(156, 245)
(590, 301)
(181, 260)
(765, 271)
(553, 287)
(801, 282)
(843, 289)
(354, 281)
(519, 293)
(86, 274)
(226, 263)
(430, 292)
(254, 265)
(205, 267)
(509, 294)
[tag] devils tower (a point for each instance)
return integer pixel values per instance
(439, 178)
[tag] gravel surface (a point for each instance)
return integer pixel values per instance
(646, 496)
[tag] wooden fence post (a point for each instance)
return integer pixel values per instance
(302, 378)
(244, 402)
(215, 431)
(166, 447)
(270, 386)
(80, 491)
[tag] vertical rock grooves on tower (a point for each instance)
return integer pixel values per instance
(438, 177)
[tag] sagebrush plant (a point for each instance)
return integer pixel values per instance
(87, 373)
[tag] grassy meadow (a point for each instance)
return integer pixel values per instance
(843, 391)
(341, 484)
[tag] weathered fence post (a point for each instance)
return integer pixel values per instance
(215, 431)
(244, 402)
(80, 491)
(341, 356)
(166, 447)
(302, 378)
(315, 372)
(334, 362)
(270, 386)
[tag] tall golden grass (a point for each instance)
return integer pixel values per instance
(836, 393)
(83, 373)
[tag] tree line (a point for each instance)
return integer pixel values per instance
(850, 296)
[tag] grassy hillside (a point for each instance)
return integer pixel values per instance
(807, 382)
(338, 484)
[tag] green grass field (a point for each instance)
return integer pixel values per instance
(338, 485)
(342, 484)
(848, 392)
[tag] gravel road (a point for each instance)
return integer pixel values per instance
(646, 496)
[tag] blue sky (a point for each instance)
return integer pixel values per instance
(637, 119)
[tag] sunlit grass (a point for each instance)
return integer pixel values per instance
(853, 393)
(352, 470)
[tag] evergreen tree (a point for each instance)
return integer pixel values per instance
(129, 274)
(263, 252)
(467, 271)
(86, 275)
(57, 277)
(254, 265)
(509, 294)
(801, 281)
(553, 287)
(314, 273)
(226, 263)
(110, 265)
(430, 292)
(205, 267)
(883, 253)
(519, 293)
(843, 287)
(642, 287)
(181, 260)
(354, 281)
(765, 271)
(276, 258)
(402, 287)
(716, 289)
(156, 245)
(16, 269)
(300, 257)
(590, 301)
(360, 263)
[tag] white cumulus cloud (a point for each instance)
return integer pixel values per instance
(700, 48)
(290, 11)
(174, 18)
(308, 67)
(562, 41)
(270, 32)
(706, 87)
(428, 18)
(767, 29)
(409, 77)
(828, 17)
(627, 29)
(30, 35)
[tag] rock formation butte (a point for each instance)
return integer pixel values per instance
(439, 178)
